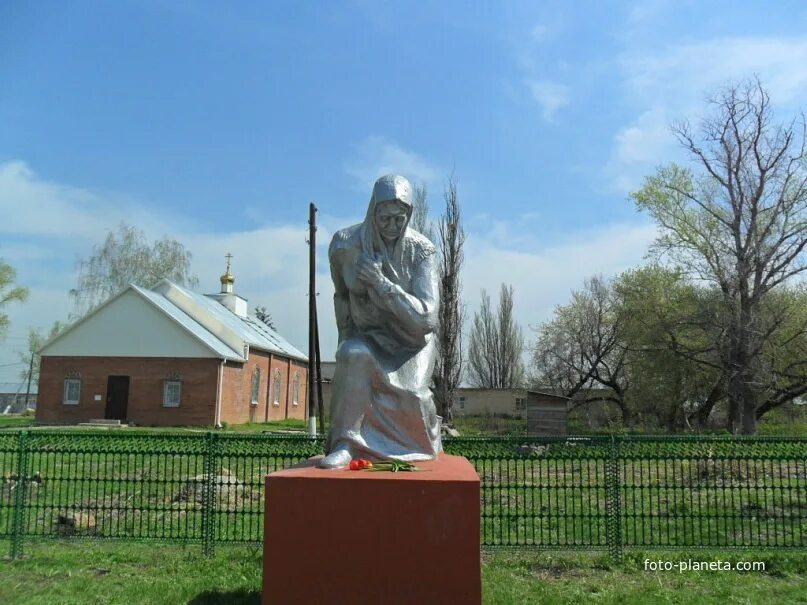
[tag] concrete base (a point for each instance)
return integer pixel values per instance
(357, 537)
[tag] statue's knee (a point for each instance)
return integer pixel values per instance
(353, 352)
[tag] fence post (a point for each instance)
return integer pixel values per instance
(18, 515)
(613, 501)
(209, 499)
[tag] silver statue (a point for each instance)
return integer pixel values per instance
(386, 304)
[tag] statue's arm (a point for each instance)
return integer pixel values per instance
(417, 310)
(341, 299)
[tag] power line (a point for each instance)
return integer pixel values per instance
(16, 363)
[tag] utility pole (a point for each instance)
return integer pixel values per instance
(313, 337)
(30, 374)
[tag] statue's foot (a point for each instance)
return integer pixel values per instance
(336, 459)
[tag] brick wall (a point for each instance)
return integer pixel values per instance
(237, 391)
(199, 379)
(298, 410)
(199, 389)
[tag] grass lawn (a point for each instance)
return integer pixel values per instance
(118, 573)
(477, 426)
(775, 423)
(289, 424)
(15, 421)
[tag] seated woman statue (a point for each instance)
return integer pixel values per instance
(386, 304)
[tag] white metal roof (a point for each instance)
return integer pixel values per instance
(223, 332)
(251, 330)
(190, 324)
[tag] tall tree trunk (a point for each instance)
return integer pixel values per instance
(742, 395)
(701, 416)
(749, 426)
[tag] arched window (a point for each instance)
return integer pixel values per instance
(277, 387)
(72, 389)
(296, 390)
(256, 385)
(172, 390)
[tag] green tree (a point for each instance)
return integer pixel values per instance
(30, 357)
(9, 293)
(782, 370)
(581, 352)
(738, 221)
(667, 329)
(650, 342)
(125, 257)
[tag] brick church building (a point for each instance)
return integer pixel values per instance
(168, 356)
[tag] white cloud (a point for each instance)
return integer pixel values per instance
(673, 84)
(551, 96)
(543, 276)
(31, 206)
(682, 74)
(639, 147)
(376, 156)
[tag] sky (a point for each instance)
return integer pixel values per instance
(217, 123)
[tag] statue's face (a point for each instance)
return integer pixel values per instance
(390, 219)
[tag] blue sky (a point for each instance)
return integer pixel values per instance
(217, 122)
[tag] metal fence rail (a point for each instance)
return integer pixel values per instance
(604, 493)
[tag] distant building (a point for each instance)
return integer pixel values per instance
(546, 413)
(12, 396)
(478, 402)
(169, 356)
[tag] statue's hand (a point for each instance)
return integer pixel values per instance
(369, 272)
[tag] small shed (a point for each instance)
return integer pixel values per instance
(547, 413)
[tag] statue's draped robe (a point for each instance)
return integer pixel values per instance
(381, 404)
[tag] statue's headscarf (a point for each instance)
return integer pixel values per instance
(387, 188)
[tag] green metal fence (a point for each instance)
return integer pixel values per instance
(606, 493)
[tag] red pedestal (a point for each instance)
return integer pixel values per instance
(357, 537)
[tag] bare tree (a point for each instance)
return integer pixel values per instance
(740, 223)
(126, 257)
(263, 315)
(496, 345)
(448, 368)
(483, 347)
(420, 212)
